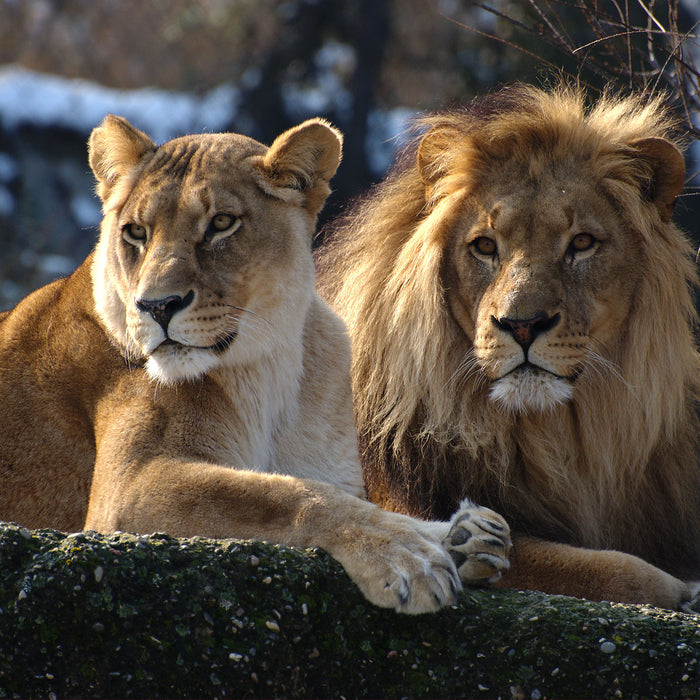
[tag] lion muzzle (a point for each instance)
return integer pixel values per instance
(524, 331)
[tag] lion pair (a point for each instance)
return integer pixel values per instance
(520, 312)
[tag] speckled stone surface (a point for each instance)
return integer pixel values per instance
(124, 616)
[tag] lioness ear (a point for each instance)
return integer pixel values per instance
(302, 160)
(668, 169)
(115, 149)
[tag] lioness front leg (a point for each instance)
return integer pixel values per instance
(392, 558)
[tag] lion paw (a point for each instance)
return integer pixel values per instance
(693, 604)
(421, 582)
(478, 541)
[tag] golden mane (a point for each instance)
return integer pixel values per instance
(429, 432)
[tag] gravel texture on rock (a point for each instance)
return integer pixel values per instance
(87, 615)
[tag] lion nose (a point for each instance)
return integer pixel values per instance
(162, 310)
(525, 330)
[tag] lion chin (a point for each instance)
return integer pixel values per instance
(530, 389)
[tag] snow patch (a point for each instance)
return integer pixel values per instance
(37, 99)
(86, 210)
(326, 91)
(8, 168)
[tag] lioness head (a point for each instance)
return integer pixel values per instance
(204, 257)
(544, 257)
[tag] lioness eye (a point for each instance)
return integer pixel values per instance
(582, 242)
(485, 246)
(134, 233)
(220, 227)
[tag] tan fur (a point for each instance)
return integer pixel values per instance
(240, 425)
(594, 446)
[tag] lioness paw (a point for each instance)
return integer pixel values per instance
(478, 541)
(397, 565)
(417, 586)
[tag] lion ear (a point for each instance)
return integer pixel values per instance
(436, 151)
(115, 149)
(668, 172)
(444, 151)
(301, 162)
(431, 154)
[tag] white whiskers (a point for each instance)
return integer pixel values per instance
(605, 369)
(467, 370)
(251, 325)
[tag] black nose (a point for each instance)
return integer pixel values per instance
(525, 330)
(162, 310)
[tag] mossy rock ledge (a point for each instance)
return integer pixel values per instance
(86, 615)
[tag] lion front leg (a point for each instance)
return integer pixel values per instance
(593, 574)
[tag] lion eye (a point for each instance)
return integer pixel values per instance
(485, 246)
(134, 233)
(581, 243)
(221, 222)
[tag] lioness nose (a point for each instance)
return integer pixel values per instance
(163, 310)
(525, 330)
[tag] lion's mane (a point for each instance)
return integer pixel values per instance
(428, 430)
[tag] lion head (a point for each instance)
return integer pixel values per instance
(521, 314)
(205, 250)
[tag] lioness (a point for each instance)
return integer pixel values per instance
(187, 377)
(521, 314)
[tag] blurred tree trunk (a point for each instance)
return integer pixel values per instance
(368, 34)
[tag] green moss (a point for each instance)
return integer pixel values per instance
(125, 616)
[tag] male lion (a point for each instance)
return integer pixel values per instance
(520, 311)
(188, 378)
